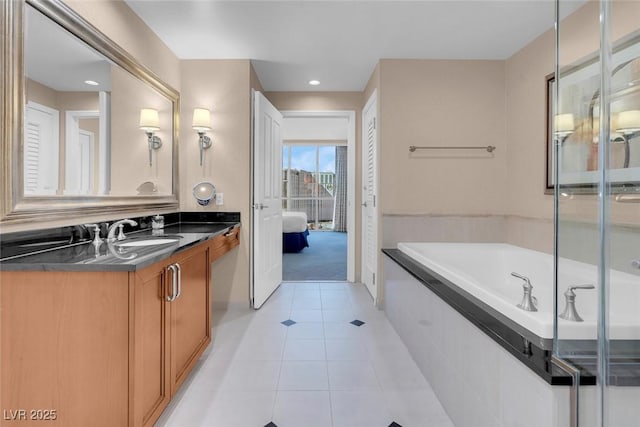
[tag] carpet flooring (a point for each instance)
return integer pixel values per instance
(324, 259)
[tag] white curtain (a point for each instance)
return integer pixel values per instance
(340, 204)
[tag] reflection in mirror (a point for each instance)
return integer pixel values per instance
(580, 98)
(81, 130)
(71, 99)
(67, 95)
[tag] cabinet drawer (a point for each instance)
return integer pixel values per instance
(223, 243)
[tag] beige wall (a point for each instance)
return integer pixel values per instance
(41, 94)
(525, 121)
(442, 103)
(224, 87)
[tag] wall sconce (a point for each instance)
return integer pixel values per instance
(150, 123)
(563, 126)
(201, 124)
(629, 126)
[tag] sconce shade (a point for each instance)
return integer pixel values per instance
(564, 124)
(628, 121)
(201, 119)
(149, 120)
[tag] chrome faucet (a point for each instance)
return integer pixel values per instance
(570, 312)
(528, 302)
(111, 235)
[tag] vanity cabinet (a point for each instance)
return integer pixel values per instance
(171, 328)
(224, 243)
(104, 348)
(65, 348)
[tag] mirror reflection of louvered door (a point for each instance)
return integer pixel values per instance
(369, 193)
(41, 145)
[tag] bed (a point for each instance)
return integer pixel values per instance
(294, 231)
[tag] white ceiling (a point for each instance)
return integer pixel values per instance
(339, 42)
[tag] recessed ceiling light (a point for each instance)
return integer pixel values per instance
(314, 82)
(91, 82)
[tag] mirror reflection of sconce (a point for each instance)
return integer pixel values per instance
(629, 126)
(150, 124)
(201, 124)
(563, 126)
(204, 192)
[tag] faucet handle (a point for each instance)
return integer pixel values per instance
(96, 233)
(527, 282)
(121, 235)
(570, 289)
(570, 312)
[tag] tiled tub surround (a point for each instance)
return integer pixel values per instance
(475, 361)
(70, 248)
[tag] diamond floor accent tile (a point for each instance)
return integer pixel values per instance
(394, 424)
(357, 322)
(272, 424)
(288, 322)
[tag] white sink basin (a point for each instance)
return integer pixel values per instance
(145, 242)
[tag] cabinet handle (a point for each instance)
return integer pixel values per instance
(229, 233)
(174, 283)
(179, 280)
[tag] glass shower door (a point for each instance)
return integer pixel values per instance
(595, 133)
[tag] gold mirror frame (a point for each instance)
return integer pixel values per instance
(14, 207)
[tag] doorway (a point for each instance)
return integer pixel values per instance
(318, 184)
(314, 205)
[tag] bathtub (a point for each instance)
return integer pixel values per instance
(483, 270)
(489, 362)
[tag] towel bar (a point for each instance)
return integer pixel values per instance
(488, 148)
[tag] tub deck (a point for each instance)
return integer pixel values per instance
(533, 351)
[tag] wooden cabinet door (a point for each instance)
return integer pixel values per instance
(152, 389)
(190, 313)
(64, 348)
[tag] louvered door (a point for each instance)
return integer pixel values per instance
(41, 144)
(369, 194)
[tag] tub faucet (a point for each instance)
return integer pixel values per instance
(570, 312)
(111, 236)
(528, 302)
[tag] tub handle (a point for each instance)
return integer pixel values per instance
(570, 312)
(529, 302)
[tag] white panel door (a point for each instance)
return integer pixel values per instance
(267, 201)
(86, 142)
(369, 193)
(79, 158)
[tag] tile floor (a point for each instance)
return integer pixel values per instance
(320, 371)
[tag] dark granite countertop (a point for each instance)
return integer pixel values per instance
(85, 256)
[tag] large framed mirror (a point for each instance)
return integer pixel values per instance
(85, 127)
